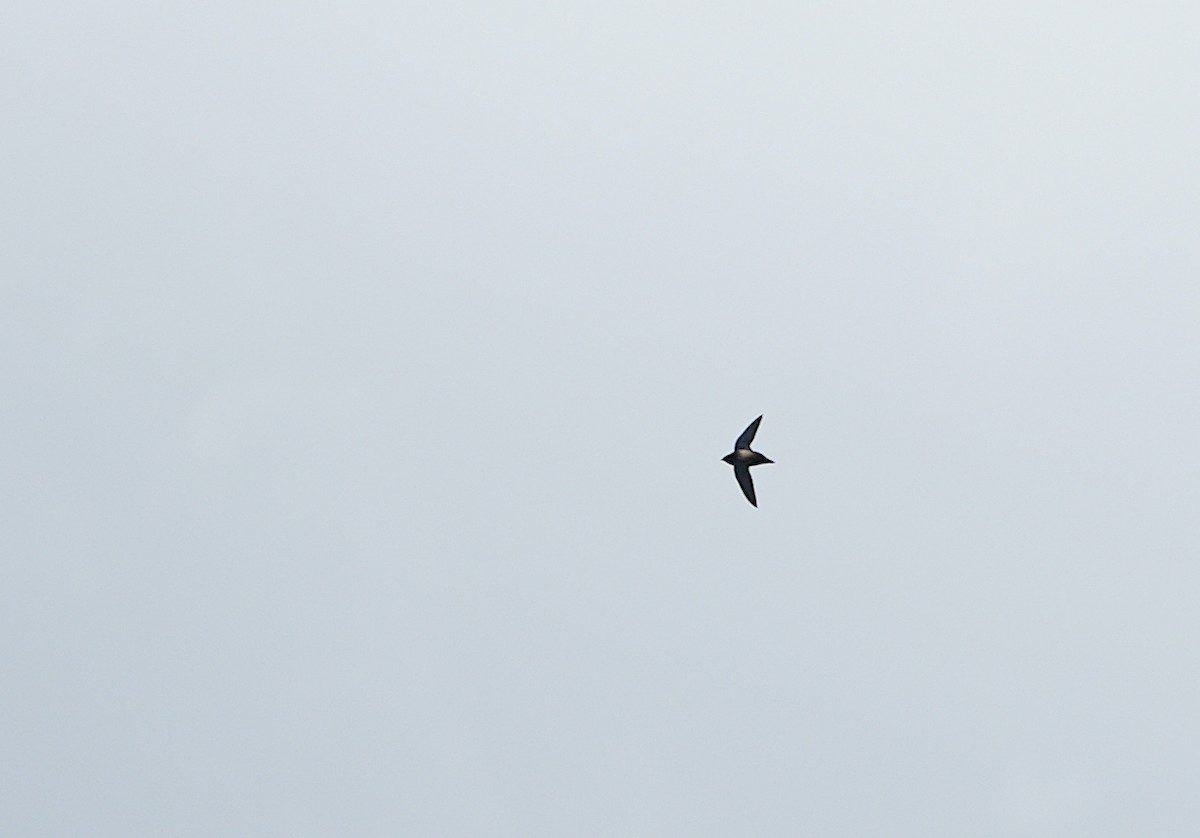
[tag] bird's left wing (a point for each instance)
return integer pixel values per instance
(747, 436)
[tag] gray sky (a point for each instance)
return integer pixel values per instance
(369, 366)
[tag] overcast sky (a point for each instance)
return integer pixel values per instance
(368, 366)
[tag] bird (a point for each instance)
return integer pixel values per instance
(742, 458)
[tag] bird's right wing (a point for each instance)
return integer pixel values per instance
(742, 473)
(747, 436)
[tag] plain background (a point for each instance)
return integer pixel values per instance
(367, 367)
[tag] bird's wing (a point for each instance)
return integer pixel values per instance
(747, 436)
(742, 473)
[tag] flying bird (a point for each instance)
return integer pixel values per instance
(742, 458)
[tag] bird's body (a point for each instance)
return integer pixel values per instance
(741, 458)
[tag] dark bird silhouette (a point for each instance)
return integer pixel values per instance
(742, 458)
